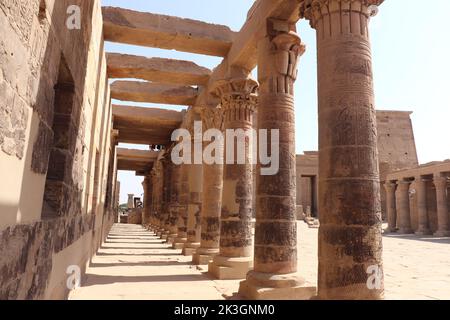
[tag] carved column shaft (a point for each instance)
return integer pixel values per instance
(441, 184)
(276, 228)
(194, 208)
(238, 104)
(148, 190)
(166, 196)
(403, 207)
(390, 206)
(275, 267)
(174, 207)
(421, 191)
(350, 238)
(238, 101)
(183, 201)
(212, 118)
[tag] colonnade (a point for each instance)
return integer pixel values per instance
(207, 209)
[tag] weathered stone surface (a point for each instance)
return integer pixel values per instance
(350, 232)
(41, 149)
(153, 93)
(157, 70)
(166, 32)
(238, 96)
(13, 122)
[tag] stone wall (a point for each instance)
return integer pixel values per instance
(307, 172)
(55, 119)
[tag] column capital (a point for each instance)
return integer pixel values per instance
(390, 186)
(440, 182)
(281, 55)
(237, 93)
(403, 184)
(212, 117)
(315, 10)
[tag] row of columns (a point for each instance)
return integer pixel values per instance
(349, 195)
(399, 211)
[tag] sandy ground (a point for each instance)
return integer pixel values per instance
(134, 264)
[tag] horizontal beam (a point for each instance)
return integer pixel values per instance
(156, 69)
(139, 125)
(137, 155)
(143, 115)
(244, 51)
(166, 32)
(153, 93)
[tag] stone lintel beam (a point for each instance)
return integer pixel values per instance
(158, 70)
(166, 32)
(138, 155)
(142, 114)
(135, 160)
(153, 93)
(243, 53)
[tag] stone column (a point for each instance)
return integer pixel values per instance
(158, 181)
(130, 203)
(421, 194)
(441, 184)
(275, 266)
(181, 238)
(166, 198)
(403, 207)
(238, 101)
(154, 223)
(174, 207)
(350, 234)
(390, 206)
(148, 190)
(194, 209)
(212, 118)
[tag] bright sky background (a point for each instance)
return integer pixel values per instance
(411, 60)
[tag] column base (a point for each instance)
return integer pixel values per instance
(190, 248)
(204, 256)
(405, 231)
(264, 286)
(178, 243)
(425, 232)
(171, 238)
(164, 235)
(442, 234)
(226, 268)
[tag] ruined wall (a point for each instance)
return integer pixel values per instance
(53, 95)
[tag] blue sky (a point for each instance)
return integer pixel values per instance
(411, 60)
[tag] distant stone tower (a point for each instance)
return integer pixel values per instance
(130, 204)
(396, 145)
